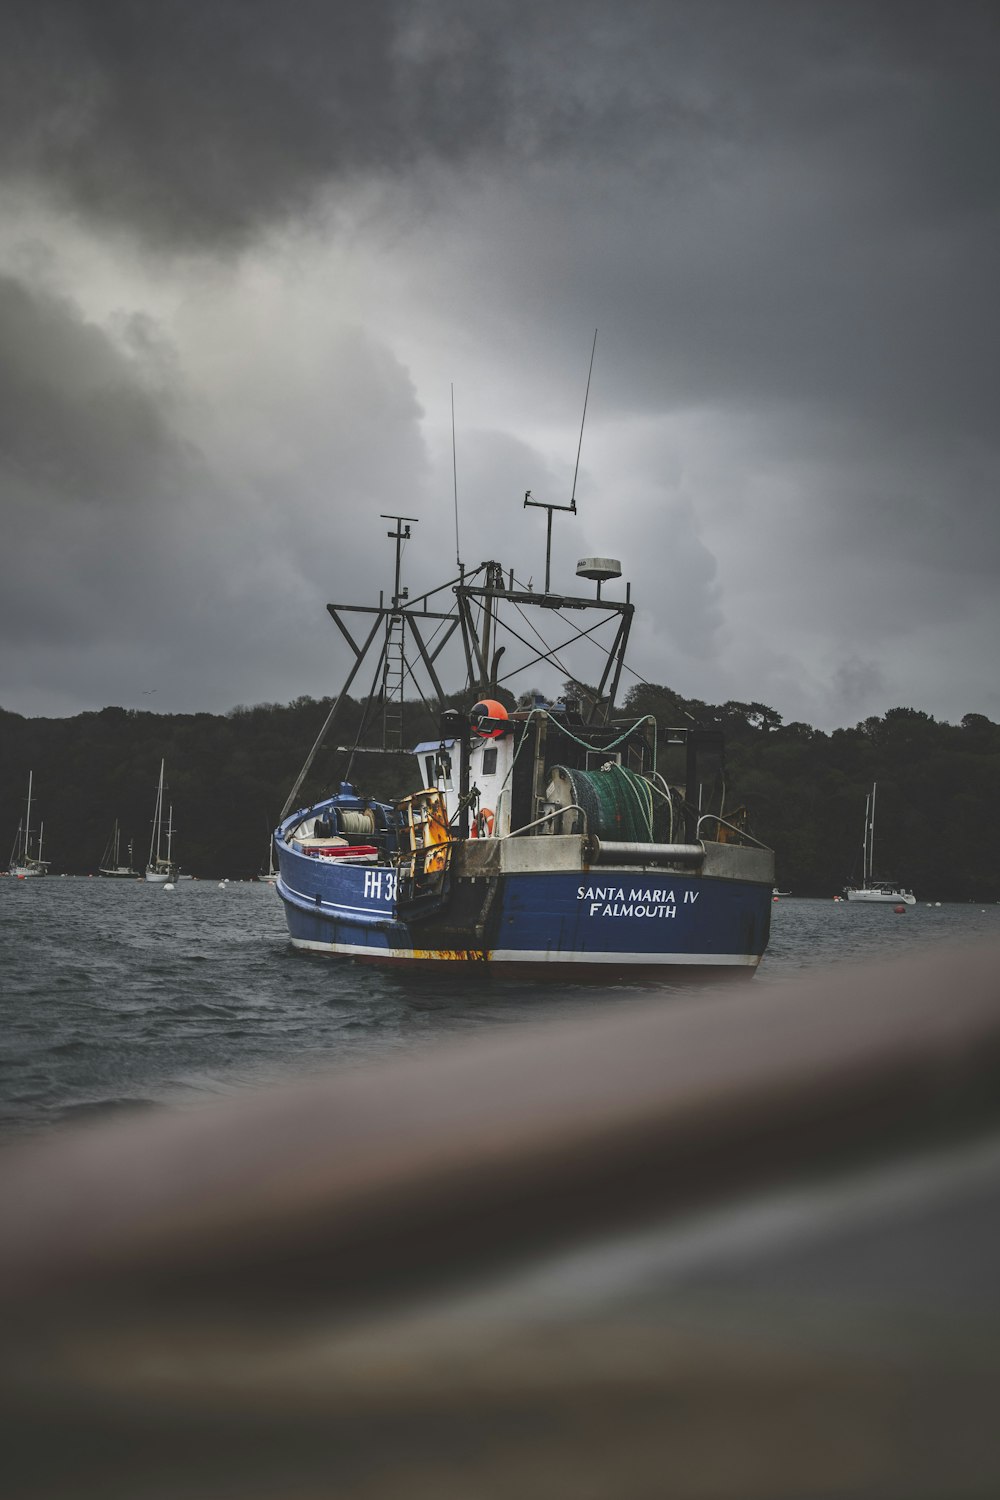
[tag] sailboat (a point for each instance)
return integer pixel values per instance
(111, 864)
(870, 889)
(161, 869)
(270, 875)
(24, 863)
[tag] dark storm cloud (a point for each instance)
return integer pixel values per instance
(91, 471)
(138, 562)
(76, 419)
(784, 217)
(201, 122)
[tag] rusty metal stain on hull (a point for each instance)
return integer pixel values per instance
(454, 955)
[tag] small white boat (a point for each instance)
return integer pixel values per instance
(161, 868)
(887, 892)
(270, 875)
(25, 864)
(883, 892)
(111, 866)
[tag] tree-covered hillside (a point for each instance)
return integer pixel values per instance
(938, 824)
(228, 776)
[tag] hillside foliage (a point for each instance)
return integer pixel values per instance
(228, 776)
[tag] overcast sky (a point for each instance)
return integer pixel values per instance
(248, 247)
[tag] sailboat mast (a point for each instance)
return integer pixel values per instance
(154, 843)
(27, 822)
(170, 830)
(871, 837)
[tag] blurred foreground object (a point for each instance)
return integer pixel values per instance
(711, 1247)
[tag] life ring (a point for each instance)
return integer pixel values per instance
(482, 828)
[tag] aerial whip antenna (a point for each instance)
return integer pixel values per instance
(571, 507)
(454, 477)
(593, 350)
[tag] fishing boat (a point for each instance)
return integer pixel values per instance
(551, 836)
(26, 860)
(161, 867)
(871, 890)
(111, 866)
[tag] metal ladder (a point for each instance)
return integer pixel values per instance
(393, 674)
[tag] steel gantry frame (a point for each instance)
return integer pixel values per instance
(485, 589)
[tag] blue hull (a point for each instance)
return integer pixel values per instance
(634, 919)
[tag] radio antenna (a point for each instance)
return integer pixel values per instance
(593, 350)
(571, 507)
(454, 477)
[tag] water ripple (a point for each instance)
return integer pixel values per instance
(119, 995)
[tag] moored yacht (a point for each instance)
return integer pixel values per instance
(111, 866)
(161, 866)
(885, 892)
(26, 862)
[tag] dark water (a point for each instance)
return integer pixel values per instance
(119, 994)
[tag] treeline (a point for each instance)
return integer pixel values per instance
(227, 778)
(938, 811)
(938, 827)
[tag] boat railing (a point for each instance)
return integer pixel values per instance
(547, 818)
(740, 833)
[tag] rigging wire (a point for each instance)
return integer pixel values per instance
(550, 651)
(549, 654)
(544, 713)
(646, 683)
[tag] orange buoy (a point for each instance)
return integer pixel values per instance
(483, 715)
(899, 910)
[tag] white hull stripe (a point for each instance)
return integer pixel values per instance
(533, 956)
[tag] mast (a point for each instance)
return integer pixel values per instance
(170, 831)
(394, 647)
(154, 843)
(392, 620)
(27, 823)
(549, 506)
(871, 836)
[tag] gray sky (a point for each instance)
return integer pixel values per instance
(247, 248)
